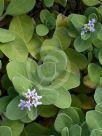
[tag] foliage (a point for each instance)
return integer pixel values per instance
(51, 68)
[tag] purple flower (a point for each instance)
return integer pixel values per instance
(32, 99)
(89, 27)
(92, 29)
(22, 104)
(94, 20)
(84, 30)
(28, 105)
(30, 94)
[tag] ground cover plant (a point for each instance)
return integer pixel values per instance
(50, 68)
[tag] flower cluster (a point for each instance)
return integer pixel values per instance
(89, 27)
(32, 99)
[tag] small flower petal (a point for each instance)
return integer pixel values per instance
(32, 99)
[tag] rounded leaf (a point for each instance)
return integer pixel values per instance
(15, 50)
(6, 36)
(65, 132)
(47, 18)
(98, 95)
(42, 30)
(16, 126)
(93, 120)
(96, 132)
(23, 26)
(62, 121)
(49, 3)
(78, 21)
(18, 7)
(1, 7)
(94, 72)
(47, 111)
(91, 2)
(13, 112)
(75, 130)
(81, 45)
(100, 56)
(5, 131)
(79, 59)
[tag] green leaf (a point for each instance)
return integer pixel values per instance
(77, 58)
(35, 129)
(97, 43)
(16, 69)
(93, 120)
(72, 113)
(49, 3)
(1, 7)
(59, 59)
(61, 21)
(91, 2)
(98, 95)
(94, 15)
(68, 79)
(48, 45)
(18, 7)
(63, 98)
(6, 36)
(5, 131)
(26, 69)
(16, 126)
(62, 2)
(80, 114)
(65, 132)
(72, 31)
(86, 36)
(100, 9)
(32, 115)
(48, 96)
(42, 30)
(57, 96)
(85, 130)
(22, 84)
(100, 56)
(3, 103)
(99, 107)
(78, 21)
(1, 54)
(61, 34)
(99, 35)
(96, 132)
(26, 119)
(22, 74)
(6, 83)
(62, 121)
(31, 67)
(47, 18)
(47, 111)
(23, 26)
(15, 50)
(94, 72)
(13, 112)
(71, 77)
(91, 10)
(11, 92)
(81, 45)
(34, 46)
(47, 71)
(75, 101)
(75, 130)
